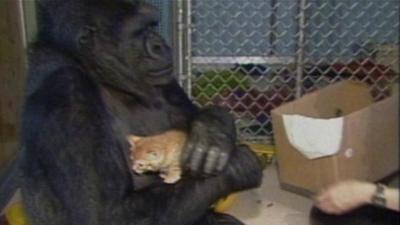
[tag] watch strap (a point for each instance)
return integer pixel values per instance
(379, 198)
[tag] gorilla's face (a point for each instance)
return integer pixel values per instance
(125, 48)
(142, 47)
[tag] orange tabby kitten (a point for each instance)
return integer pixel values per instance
(158, 153)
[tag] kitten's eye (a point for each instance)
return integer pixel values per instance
(153, 155)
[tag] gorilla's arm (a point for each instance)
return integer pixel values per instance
(211, 129)
(83, 166)
(194, 198)
(75, 171)
(212, 139)
(59, 131)
(212, 133)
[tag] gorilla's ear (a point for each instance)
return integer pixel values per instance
(86, 37)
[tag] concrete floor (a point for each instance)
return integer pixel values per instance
(270, 205)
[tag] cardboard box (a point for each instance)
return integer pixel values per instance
(370, 142)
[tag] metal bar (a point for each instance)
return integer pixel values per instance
(188, 57)
(272, 22)
(21, 12)
(300, 54)
(179, 46)
(242, 60)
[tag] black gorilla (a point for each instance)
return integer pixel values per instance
(98, 72)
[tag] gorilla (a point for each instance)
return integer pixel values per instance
(97, 72)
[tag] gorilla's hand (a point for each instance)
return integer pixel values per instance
(212, 138)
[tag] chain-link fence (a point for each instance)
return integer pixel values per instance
(253, 55)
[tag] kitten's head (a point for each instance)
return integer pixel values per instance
(147, 154)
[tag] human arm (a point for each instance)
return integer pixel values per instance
(392, 198)
(347, 195)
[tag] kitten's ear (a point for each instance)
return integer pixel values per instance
(132, 139)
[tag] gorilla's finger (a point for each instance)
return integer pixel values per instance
(211, 160)
(199, 127)
(186, 153)
(189, 149)
(197, 157)
(222, 161)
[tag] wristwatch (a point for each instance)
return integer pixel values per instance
(379, 198)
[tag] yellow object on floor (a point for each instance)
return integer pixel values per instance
(225, 203)
(16, 214)
(265, 151)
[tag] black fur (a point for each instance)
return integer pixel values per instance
(84, 96)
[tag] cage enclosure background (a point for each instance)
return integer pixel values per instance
(254, 55)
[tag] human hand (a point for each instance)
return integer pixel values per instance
(344, 196)
(211, 141)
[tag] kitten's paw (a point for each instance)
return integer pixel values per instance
(171, 179)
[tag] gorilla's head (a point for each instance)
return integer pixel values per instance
(114, 38)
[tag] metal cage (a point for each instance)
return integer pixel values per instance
(254, 55)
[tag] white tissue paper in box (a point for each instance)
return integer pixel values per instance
(314, 137)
